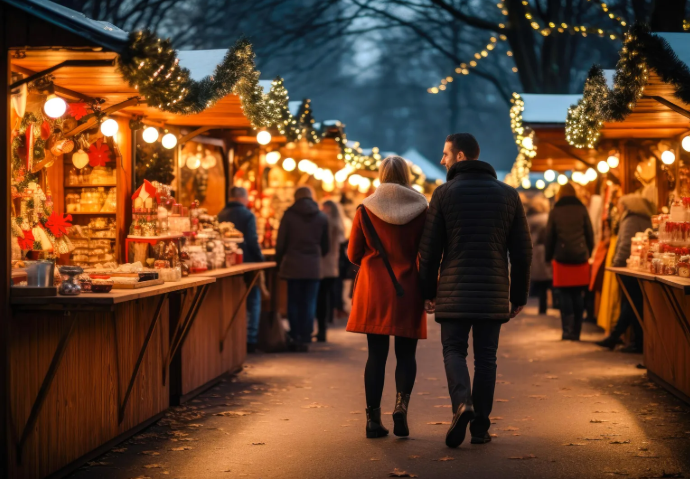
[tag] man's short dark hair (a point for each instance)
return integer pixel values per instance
(237, 192)
(466, 143)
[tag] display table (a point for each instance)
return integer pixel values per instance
(664, 321)
(217, 341)
(88, 370)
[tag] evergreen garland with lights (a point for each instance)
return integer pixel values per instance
(277, 100)
(151, 66)
(642, 50)
(305, 122)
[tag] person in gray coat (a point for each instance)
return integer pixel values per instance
(330, 270)
(636, 215)
(302, 242)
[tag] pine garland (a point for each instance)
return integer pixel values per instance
(151, 66)
(642, 50)
(277, 101)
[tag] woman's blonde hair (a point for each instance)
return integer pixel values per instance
(394, 169)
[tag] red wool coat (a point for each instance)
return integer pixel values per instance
(375, 306)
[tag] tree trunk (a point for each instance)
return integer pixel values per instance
(668, 15)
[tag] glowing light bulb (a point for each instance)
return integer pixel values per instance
(377, 183)
(686, 143)
(541, 184)
(193, 162)
(327, 176)
(364, 185)
(169, 141)
(263, 138)
(109, 127)
(341, 175)
(603, 167)
(577, 177)
(318, 174)
(591, 174)
(549, 175)
(150, 134)
(668, 157)
(289, 164)
(272, 157)
(613, 161)
(54, 106)
(562, 179)
(354, 180)
(527, 143)
(526, 183)
(418, 188)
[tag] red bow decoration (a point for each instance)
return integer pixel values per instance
(27, 242)
(99, 154)
(46, 130)
(77, 110)
(58, 225)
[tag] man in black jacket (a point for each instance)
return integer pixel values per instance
(474, 222)
(237, 213)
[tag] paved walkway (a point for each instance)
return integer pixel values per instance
(562, 410)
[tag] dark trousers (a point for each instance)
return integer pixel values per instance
(375, 370)
(572, 305)
(455, 340)
(627, 316)
(325, 304)
(541, 289)
(302, 295)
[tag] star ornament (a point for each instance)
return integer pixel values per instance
(99, 154)
(58, 225)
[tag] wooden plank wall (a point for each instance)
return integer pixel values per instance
(202, 360)
(666, 347)
(81, 410)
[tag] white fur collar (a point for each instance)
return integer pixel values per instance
(396, 204)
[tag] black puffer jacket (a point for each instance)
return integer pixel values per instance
(569, 234)
(474, 221)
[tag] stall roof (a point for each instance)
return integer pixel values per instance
(102, 33)
(431, 171)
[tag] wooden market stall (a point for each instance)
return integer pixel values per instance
(643, 116)
(80, 373)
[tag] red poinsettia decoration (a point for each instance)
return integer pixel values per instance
(27, 242)
(99, 154)
(58, 225)
(77, 110)
(46, 129)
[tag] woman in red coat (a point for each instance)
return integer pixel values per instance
(397, 214)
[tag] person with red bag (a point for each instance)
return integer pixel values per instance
(569, 245)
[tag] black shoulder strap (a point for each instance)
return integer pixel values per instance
(379, 247)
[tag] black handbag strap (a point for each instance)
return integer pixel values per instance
(379, 247)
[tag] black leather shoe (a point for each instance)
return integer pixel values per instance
(631, 349)
(481, 439)
(400, 428)
(374, 426)
(608, 342)
(458, 428)
(251, 348)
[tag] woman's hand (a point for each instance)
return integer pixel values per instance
(430, 306)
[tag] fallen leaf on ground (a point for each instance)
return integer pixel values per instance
(152, 466)
(258, 444)
(627, 441)
(495, 418)
(423, 393)
(183, 448)
(575, 444)
(355, 412)
(493, 435)
(232, 413)
(510, 428)
(388, 413)
(442, 405)
(413, 457)
(537, 396)
(98, 463)
(528, 456)
(501, 400)
(374, 459)
(592, 439)
(597, 421)
(551, 377)
(314, 405)
(119, 450)
(150, 453)
(439, 423)
(444, 459)
(398, 473)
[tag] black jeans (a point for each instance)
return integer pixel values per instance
(572, 302)
(375, 370)
(325, 303)
(455, 339)
(627, 315)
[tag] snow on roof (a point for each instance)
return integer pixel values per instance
(103, 33)
(431, 171)
(680, 43)
(546, 108)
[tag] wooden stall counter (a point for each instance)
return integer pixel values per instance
(217, 341)
(664, 321)
(89, 370)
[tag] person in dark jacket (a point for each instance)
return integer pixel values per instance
(636, 215)
(302, 242)
(237, 213)
(474, 224)
(569, 244)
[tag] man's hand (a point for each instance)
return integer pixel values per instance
(430, 306)
(515, 310)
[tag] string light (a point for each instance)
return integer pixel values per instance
(169, 141)
(612, 16)
(109, 127)
(562, 179)
(685, 143)
(272, 157)
(524, 139)
(150, 134)
(603, 167)
(549, 175)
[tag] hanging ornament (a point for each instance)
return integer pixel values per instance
(80, 159)
(60, 147)
(209, 161)
(99, 153)
(19, 96)
(46, 129)
(29, 146)
(59, 225)
(77, 110)
(27, 240)
(42, 238)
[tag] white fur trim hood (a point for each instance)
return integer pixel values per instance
(396, 204)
